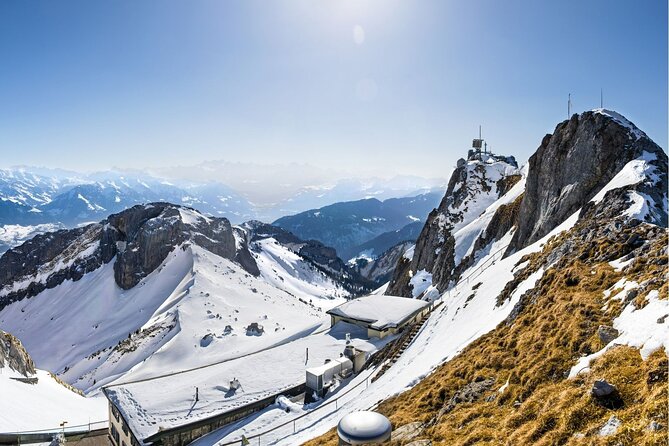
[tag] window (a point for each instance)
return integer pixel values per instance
(114, 434)
(115, 412)
(125, 428)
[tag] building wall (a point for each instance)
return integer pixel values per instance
(119, 431)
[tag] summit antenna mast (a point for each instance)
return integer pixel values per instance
(569, 106)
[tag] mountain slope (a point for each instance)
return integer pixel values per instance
(476, 190)
(28, 389)
(160, 287)
(515, 351)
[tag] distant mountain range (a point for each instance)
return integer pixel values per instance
(350, 226)
(35, 200)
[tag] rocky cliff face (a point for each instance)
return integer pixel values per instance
(137, 239)
(570, 166)
(569, 169)
(474, 185)
(14, 356)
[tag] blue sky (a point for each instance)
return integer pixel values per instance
(391, 87)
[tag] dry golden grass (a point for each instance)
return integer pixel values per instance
(535, 352)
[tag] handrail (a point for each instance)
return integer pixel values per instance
(67, 429)
(325, 404)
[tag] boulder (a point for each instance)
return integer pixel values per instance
(607, 334)
(610, 427)
(606, 394)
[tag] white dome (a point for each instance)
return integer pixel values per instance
(364, 427)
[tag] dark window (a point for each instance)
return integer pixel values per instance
(125, 428)
(115, 412)
(114, 434)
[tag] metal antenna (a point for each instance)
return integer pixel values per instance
(569, 106)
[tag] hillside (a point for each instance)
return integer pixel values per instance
(161, 287)
(559, 339)
(28, 388)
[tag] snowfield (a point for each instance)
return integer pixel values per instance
(45, 404)
(169, 401)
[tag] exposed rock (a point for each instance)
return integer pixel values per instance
(570, 166)
(14, 356)
(420, 443)
(137, 240)
(611, 427)
(254, 329)
(607, 334)
(466, 394)
(472, 187)
(408, 431)
(654, 426)
(606, 394)
(381, 269)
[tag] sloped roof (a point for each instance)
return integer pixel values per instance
(379, 311)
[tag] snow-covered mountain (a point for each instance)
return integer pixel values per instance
(33, 197)
(71, 199)
(33, 397)
(159, 287)
(549, 281)
(553, 324)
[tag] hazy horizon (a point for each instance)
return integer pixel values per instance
(362, 87)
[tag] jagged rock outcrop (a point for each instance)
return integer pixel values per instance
(148, 234)
(474, 185)
(14, 356)
(570, 166)
(137, 239)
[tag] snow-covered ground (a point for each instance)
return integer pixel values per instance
(182, 308)
(44, 405)
(169, 401)
(449, 329)
(287, 271)
(13, 235)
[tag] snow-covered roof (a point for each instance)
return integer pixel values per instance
(379, 311)
(164, 403)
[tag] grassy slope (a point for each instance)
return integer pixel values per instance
(535, 351)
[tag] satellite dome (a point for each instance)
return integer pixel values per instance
(364, 427)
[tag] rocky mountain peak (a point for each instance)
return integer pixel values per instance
(573, 164)
(14, 356)
(475, 184)
(142, 236)
(137, 239)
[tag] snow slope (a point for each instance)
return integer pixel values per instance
(181, 311)
(287, 271)
(468, 311)
(45, 405)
